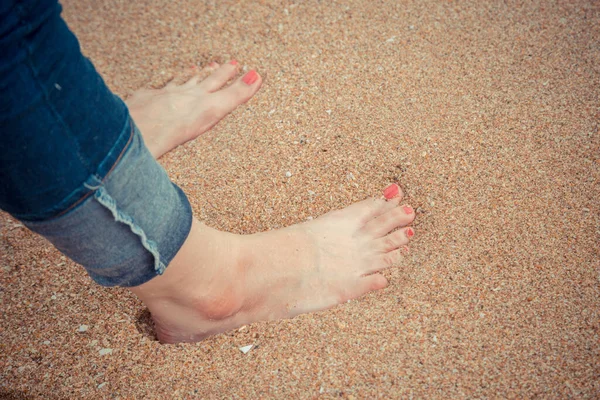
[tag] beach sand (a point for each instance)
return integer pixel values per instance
(485, 113)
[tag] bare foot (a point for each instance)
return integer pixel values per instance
(219, 281)
(176, 114)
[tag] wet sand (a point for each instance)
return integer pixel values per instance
(487, 115)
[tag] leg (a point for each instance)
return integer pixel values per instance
(214, 281)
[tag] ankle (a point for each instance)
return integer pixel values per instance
(205, 280)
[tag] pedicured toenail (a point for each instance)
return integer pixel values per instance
(391, 191)
(408, 209)
(410, 232)
(250, 77)
(233, 62)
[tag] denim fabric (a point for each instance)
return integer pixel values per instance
(132, 226)
(59, 123)
(73, 166)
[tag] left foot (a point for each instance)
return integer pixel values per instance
(176, 114)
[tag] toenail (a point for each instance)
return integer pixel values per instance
(408, 209)
(410, 232)
(250, 77)
(391, 191)
(233, 62)
(213, 64)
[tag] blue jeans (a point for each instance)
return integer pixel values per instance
(73, 166)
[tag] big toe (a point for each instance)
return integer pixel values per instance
(220, 103)
(239, 92)
(371, 208)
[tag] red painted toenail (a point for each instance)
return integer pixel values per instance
(410, 232)
(391, 191)
(250, 77)
(408, 209)
(233, 62)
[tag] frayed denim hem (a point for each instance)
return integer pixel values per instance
(104, 198)
(132, 226)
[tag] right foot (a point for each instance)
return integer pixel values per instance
(219, 281)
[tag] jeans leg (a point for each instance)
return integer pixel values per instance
(60, 123)
(132, 225)
(73, 166)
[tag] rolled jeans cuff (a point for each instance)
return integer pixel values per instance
(130, 227)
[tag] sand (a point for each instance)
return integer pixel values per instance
(487, 115)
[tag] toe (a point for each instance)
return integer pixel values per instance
(395, 240)
(393, 257)
(365, 285)
(220, 77)
(203, 73)
(193, 81)
(385, 260)
(392, 191)
(390, 220)
(238, 92)
(212, 66)
(371, 208)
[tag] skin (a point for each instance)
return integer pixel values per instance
(219, 281)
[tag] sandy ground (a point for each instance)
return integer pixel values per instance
(486, 113)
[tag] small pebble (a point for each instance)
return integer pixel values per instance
(46, 342)
(82, 328)
(100, 386)
(104, 352)
(246, 349)
(288, 174)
